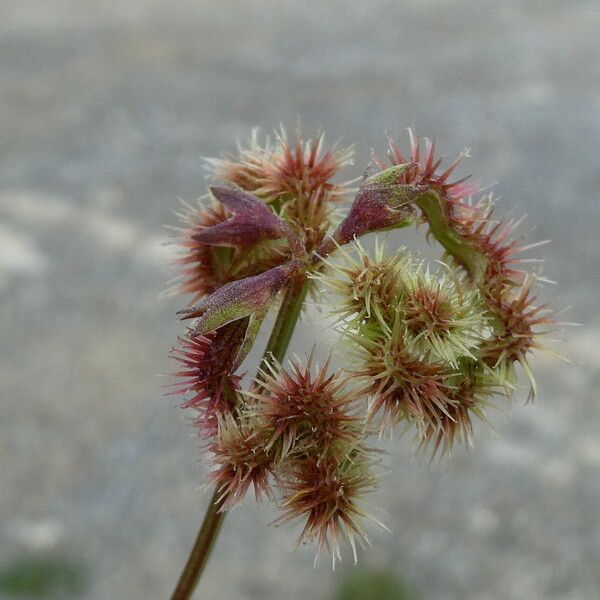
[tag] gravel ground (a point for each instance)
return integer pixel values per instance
(105, 110)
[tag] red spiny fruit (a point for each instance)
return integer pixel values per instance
(304, 167)
(440, 199)
(423, 166)
(469, 394)
(207, 362)
(284, 170)
(493, 238)
(403, 386)
(326, 492)
(515, 334)
(305, 412)
(241, 460)
(204, 267)
(473, 222)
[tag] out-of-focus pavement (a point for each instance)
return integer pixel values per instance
(105, 111)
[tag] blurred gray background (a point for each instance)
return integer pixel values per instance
(106, 109)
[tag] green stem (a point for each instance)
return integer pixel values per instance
(474, 261)
(277, 346)
(287, 318)
(203, 545)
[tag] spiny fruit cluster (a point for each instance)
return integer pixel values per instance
(414, 339)
(427, 348)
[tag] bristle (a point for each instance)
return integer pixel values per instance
(470, 393)
(402, 385)
(203, 268)
(307, 412)
(327, 495)
(425, 165)
(520, 322)
(205, 376)
(274, 172)
(241, 460)
(444, 318)
(364, 288)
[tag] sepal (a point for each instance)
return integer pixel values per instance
(240, 299)
(252, 222)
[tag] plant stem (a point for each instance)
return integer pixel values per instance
(198, 557)
(277, 346)
(288, 315)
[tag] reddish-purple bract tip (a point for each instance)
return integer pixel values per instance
(252, 222)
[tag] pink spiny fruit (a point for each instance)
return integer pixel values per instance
(285, 169)
(204, 269)
(304, 167)
(470, 395)
(240, 460)
(516, 333)
(422, 169)
(305, 412)
(403, 387)
(206, 375)
(326, 493)
(492, 237)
